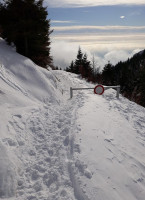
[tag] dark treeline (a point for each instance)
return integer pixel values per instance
(24, 23)
(83, 67)
(130, 75)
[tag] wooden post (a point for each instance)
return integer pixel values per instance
(71, 92)
(118, 91)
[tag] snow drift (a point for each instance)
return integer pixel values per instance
(23, 86)
(19, 73)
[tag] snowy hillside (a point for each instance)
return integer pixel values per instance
(55, 148)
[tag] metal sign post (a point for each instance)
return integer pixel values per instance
(99, 89)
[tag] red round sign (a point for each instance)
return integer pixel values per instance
(99, 89)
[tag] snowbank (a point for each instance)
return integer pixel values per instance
(21, 74)
(23, 87)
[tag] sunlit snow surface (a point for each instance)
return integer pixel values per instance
(52, 147)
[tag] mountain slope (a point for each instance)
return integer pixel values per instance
(53, 147)
(130, 76)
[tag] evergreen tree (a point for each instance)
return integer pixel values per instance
(25, 23)
(97, 76)
(87, 71)
(78, 62)
(108, 74)
(81, 66)
(142, 86)
(70, 68)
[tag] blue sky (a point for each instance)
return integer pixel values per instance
(100, 15)
(110, 30)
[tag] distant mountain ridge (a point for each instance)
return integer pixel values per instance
(140, 53)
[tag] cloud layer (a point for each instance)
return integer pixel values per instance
(92, 37)
(102, 54)
(106, 43)
(85, 3)
(107, 28)
(62, 22)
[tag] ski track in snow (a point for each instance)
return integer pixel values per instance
(7, 77)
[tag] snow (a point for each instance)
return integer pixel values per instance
(56, 148)
(111, 132)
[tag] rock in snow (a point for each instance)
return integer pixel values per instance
(56, 148)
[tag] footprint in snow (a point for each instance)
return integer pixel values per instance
(38, 186)
(17, 116)
(59, 125)
(83, 169)
(65, 131)
(108, 140)
(50, 178)
(35, 175)
(10, 142)
(77, 148)
(66, 141)
(140, 180)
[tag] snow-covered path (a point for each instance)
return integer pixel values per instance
(42, 142)
(45, 172)
(111, 139)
